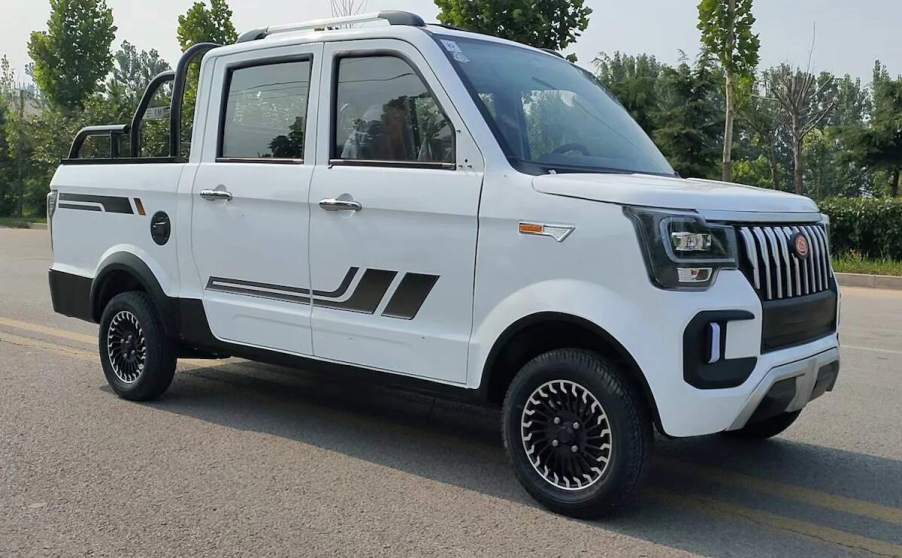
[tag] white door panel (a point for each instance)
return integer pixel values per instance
(251, 252)
(408, 305)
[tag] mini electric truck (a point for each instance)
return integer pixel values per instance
(376, 196)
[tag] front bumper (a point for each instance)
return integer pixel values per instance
(789, 387)
(725, 392)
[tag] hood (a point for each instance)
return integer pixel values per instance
(673, 193)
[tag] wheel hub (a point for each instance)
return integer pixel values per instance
(566, 435)
(126, 347)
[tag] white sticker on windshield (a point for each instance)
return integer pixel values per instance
(461, 57)
(451, 46)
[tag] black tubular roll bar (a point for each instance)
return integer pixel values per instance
(178, 93)
(149, 92)
(179, 77)
(111, 130)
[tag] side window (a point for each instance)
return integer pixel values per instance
(266, 111)
(384, 112)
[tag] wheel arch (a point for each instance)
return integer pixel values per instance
(121, 272)
(540, 332)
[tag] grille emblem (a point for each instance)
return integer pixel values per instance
(799, 245)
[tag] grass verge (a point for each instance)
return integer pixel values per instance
(855, 264)
(21, 222)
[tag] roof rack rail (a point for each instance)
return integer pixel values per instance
(393, 17)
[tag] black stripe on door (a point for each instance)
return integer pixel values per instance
(368, 294)
(259, 290)
(410, 296)
(405, 302)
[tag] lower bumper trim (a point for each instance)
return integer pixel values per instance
(789, 387)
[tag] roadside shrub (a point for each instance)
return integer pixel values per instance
(868, 227)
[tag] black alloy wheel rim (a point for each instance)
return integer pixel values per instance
(566, 435)
(126, 346)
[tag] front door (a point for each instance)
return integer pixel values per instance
(250, 215)
(393, 216)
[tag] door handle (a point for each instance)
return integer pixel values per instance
(338, 204)
(218, 193)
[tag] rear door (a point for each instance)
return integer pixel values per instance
(250, 213)
(394, 205)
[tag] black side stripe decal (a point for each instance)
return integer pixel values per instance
(367, 295)
(342, 289)
(260, 290)
(406, 301)
(410, 296)
(111, 204)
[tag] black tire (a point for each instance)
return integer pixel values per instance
(767, 428)
(138, 358)
(625, 413)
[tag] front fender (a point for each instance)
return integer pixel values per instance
(580, 299)
(648, 323)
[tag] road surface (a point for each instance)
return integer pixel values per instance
(241, 458)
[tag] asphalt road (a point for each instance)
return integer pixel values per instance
(243, 458)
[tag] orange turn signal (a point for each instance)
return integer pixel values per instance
(531, 228)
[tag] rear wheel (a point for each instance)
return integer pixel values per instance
(577, 433)
(138, 359)
(767, 428)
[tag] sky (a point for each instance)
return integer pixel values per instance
(848, 34)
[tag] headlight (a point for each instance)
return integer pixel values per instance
(681, 250)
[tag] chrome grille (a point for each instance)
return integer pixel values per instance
(773, 268)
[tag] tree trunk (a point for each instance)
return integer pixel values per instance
(894, 185)
(797, 166)
(727, 171)
(774, 168)
(797, 170)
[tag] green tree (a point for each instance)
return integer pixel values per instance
(634, 81)
(132, 71)
(7, 84)
(73, 55)
(688, 123)
(831, 169)
(549, 24)
(726, 28)
(202, 25)
(804, 101)
(879, 145)
(754, 172)
(758, 114)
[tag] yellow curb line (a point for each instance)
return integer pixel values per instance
(718, 508)
(787, 491)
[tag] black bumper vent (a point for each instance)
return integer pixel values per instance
(799, 320)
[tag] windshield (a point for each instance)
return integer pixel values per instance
(549, 114)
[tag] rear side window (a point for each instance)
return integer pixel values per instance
(266, 111)
(384, 112)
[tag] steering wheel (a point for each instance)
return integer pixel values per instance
(582, 149)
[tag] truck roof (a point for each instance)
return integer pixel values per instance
(375, 25)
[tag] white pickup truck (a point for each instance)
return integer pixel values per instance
(374, 195)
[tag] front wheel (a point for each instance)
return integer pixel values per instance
(138, 358)
(577, 433)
